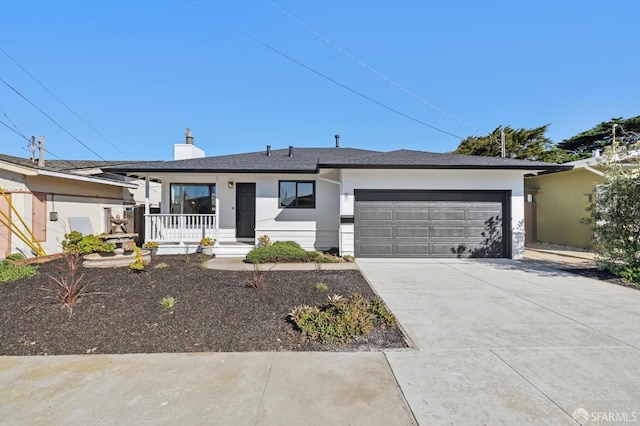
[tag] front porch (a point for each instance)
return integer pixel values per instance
(181, 234)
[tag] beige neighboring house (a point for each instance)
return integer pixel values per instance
(45, 196)
(556, 204)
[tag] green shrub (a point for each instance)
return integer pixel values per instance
(615, 214)
(285, 251)
(322, 287)
(168, 302)
(341, 319)
(15, 256)
(151, 245)
(78, 244)
(10, 272)
(138, 263)
(280, 251)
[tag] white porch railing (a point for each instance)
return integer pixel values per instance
(180, 228)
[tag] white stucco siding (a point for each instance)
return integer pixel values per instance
(498, 180)
(312, 228)
(315, 228)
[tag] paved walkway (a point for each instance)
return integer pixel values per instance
(508, 342)
(236, 264)
(562, 256)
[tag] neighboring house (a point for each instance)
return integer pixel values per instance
(45, 196)
(95, 168)
(557, 202)
(364, 203)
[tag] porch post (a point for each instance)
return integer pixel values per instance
(147, 219)
(146, 195)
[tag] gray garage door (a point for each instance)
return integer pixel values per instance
(431, 223)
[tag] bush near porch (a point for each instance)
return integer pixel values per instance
(285, 251)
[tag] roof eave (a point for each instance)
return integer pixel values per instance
(440, 167)
(217, 171)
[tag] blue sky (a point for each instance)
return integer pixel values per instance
(140, 72)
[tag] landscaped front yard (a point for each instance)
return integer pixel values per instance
(213, 311)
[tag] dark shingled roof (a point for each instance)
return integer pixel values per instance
(404, 158)
(86, 164)
(310, 160)
(304, 160)
(67, 167)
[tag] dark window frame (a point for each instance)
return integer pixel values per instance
(295, 206)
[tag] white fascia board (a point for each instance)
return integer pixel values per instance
(85, 179)
(19, 169)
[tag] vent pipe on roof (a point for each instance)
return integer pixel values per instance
(268, 150)
(290, 150)
(189, 136)
(337, 141)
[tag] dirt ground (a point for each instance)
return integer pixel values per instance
(214, 311)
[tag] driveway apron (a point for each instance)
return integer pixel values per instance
(505, 342)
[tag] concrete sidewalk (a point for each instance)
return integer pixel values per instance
(509, 342)
(273, 388)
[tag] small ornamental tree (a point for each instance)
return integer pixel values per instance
(616, 216)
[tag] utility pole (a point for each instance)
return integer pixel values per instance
(32, 148)
(503, 148)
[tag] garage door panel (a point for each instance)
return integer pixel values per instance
(418, 225)
(412, 215)
(374, 214)
(411, 232)
(412, 249)
(482, 216)
(376, 250)
(449, 232)
(376, 232)
(441, 214)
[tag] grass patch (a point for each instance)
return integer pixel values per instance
(10, 272)
(341, 319)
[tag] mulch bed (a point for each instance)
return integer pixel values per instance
(215, 311)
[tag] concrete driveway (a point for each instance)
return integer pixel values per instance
(505, 342)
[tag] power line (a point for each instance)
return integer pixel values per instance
(61, 101)
(371, 69)
(326, 77)
(13, 124)
(52, 120)
(14, 131)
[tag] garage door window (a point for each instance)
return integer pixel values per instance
(297, 194)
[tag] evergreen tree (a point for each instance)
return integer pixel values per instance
(526, 144)
(600, 136)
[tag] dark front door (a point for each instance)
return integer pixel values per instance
(245, 210)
